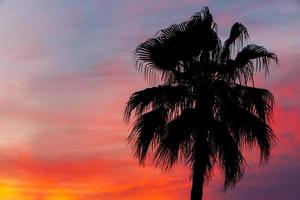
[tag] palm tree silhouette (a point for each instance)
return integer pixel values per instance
(206, 109)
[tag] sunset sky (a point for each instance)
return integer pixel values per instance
(66, 72)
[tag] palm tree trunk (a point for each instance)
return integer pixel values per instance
(201, 156)
(197, 180)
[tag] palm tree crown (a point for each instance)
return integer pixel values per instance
(205, 110)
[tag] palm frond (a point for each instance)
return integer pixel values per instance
(238, 35)
(147, 130)
(258, 54)
(177, 43)
(249, 60)
(154, 56)
(177, 140)
(167, 96)
(230, 158)
(249, 130)
(256, 100)
(247, 126)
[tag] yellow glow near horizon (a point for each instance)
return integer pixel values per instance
(61, 194)
(9, 192)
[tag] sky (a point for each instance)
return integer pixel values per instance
(67, 70)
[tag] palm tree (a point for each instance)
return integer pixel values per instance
(204, 109)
